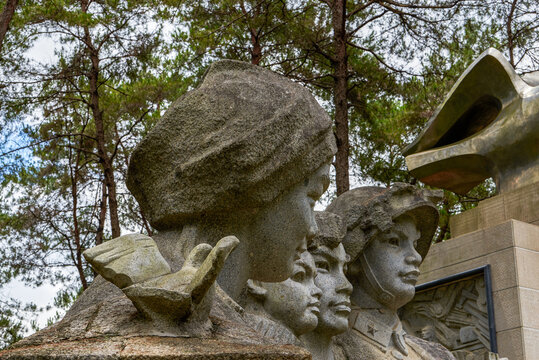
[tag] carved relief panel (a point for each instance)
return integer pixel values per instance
(455, 313)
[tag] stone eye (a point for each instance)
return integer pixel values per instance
(322, 265)
(298, 277)
(394, 241)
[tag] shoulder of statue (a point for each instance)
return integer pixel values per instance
(353, 342)
(428, 349)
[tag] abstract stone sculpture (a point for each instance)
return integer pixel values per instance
(389, 231)
(330, 259)
(245, 154)
(488, 126)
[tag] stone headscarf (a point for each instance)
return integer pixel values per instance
(237, 141)
(373, 210)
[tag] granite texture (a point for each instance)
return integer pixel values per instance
(235, 142)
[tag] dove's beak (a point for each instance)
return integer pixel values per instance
(483, 129)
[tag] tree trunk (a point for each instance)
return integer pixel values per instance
(5, 18)
(102, 215)
(76, 235)
(104, 158)
(340, 94)
(76, 230)
(510, 40)
(256, 52)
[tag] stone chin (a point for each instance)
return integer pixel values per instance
(339, 318)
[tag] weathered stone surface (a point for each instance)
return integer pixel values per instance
(235, 142)
(134, 264)
(331, 229)
(115, 321)
(388, 233)
(519, 204)
(486, 127)
(128, 260)
(154, 347)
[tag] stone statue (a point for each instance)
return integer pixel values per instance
(488, 126)
(314, 303)
(236, 163)
(389, 231)
(246, 154)
(330, 259)
(287, 309)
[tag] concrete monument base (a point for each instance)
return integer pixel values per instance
(512, 250)
(520, 204)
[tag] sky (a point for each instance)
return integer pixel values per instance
(42, 51)
(41, 296)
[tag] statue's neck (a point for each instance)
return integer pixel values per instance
(318, 344)
(366, 301)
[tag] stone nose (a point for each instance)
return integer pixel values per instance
(344, 286)
(413, 257)
(312, 229)
(316, 292)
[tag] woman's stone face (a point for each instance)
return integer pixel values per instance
(295, 302)
(280, 231)
(395, 261)
(336, 289)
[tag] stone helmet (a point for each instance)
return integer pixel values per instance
(369, 210)
(244, 136)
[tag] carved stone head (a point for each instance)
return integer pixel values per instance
(330, 259)
(295, 302)
(389, 231)
(246, 153)
(243, 137)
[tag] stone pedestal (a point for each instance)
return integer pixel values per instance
(521, 204)
(488, 235)
(154, 348)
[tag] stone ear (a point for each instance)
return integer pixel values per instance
(256, 290)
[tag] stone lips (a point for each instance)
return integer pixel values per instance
(373, 208)
(243, 137)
